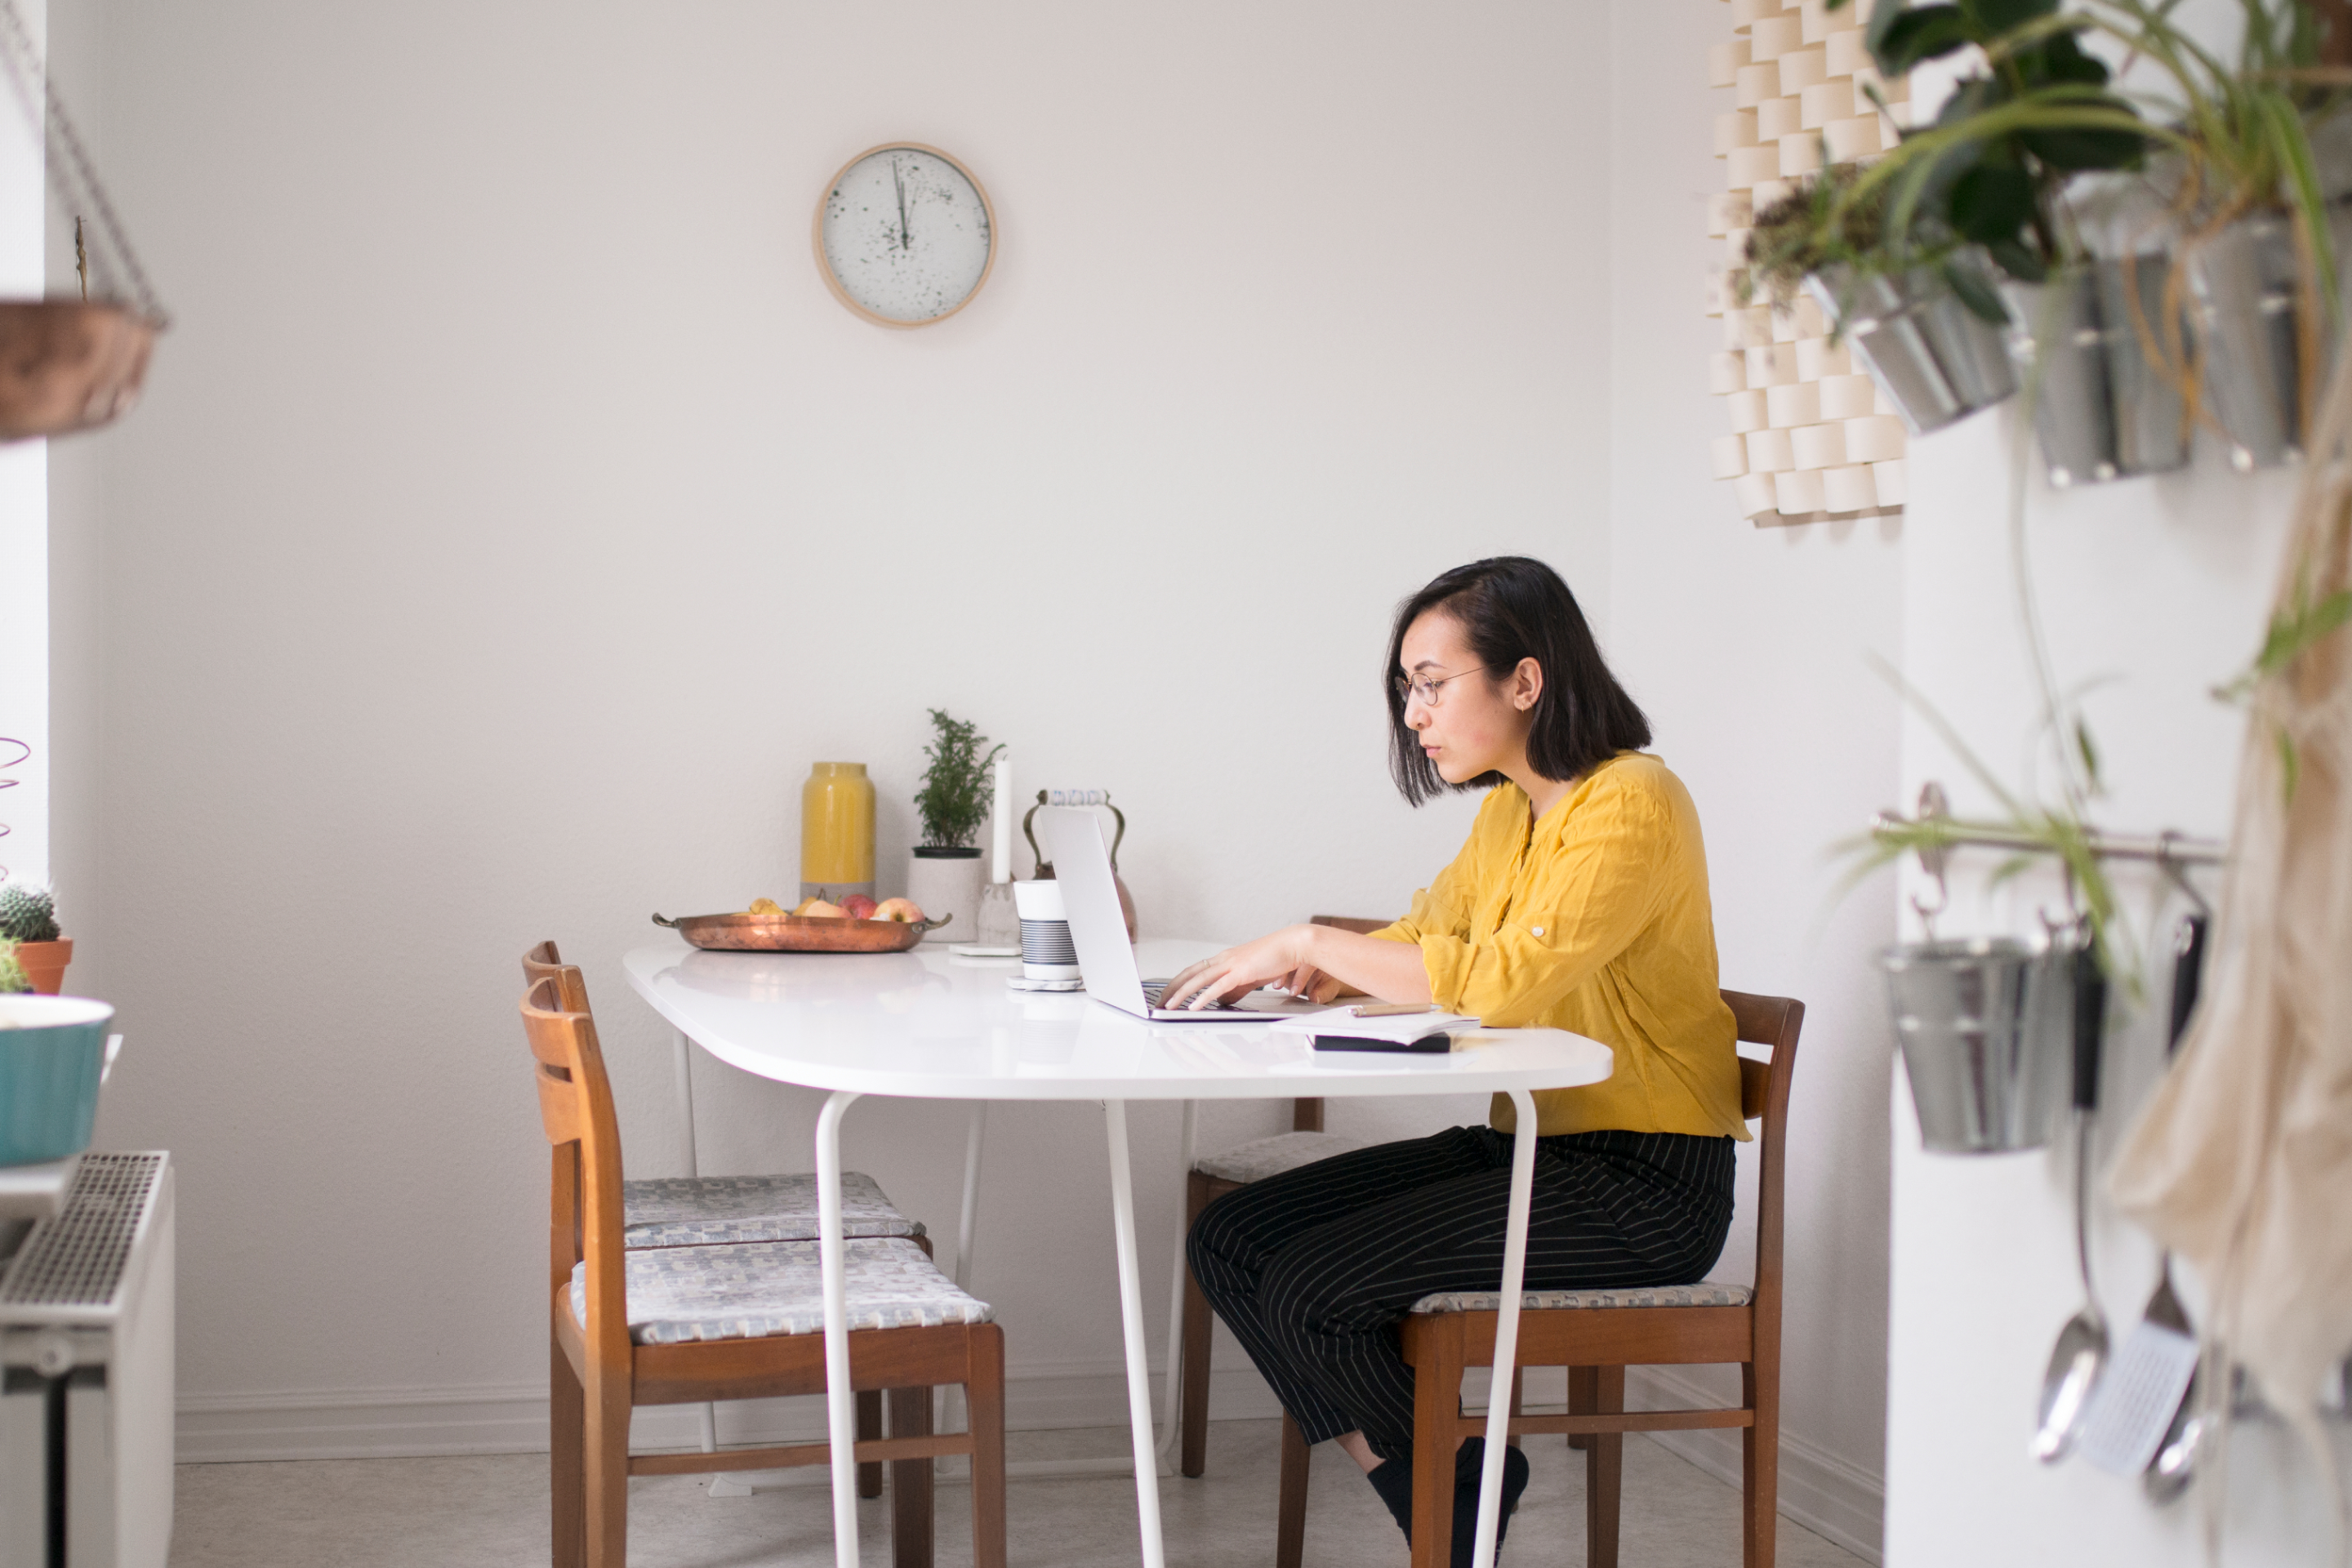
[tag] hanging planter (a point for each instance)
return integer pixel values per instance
(2104, 410)
(2242, 289)
(71, 364)
(1936, 361)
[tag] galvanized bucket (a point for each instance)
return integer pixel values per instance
(2241, 285)
(2105, 411)
(1936, 360)
(1984, 1029)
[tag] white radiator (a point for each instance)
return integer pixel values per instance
(86, 1377)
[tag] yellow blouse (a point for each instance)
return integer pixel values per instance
(1593, 920)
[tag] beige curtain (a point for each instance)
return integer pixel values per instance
(2241, 1162)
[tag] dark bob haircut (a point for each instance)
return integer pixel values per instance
(1510, 608)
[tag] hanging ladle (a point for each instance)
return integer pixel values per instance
(2175, 1465)
(2081, 1353)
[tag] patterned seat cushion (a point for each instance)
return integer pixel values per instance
(676, 1294)
(700, 1210)
(1272, 1156)
(1706, 1293)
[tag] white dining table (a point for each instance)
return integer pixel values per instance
(929, 1026)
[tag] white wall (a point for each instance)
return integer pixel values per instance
(514, 517)
(25, 766)
(1747, 646)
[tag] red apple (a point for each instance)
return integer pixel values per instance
(859, 907)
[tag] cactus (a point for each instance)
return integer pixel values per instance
(27, 914)
(13, 978)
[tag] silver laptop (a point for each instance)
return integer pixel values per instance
(1073, 841)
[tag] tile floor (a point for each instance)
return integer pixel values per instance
(491, 1512)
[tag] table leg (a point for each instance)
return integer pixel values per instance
(840, 1403)
(682, 1062)
(1171, 1401)
(1138, 1367)
(1506, 1328)
(952, 1401)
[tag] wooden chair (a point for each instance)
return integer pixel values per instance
(691, 1324)
(697, 1211)
(1596, 1335)
(1212, 1177)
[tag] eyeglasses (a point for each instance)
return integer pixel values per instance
(1407, 687)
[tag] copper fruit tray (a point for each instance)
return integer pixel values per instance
(797, 933)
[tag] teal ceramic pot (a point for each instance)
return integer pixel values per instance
(52, 1049)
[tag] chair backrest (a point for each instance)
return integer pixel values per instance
(575, 1106)
(1776, 1022)
(544, 961)
(1306, 1113)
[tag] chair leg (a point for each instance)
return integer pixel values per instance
(606, 1472)
(1760, 1469)
(1604, 1470)
(1290, 1520)
(1194, 1347)
(1436, 1408)
(567, 1474)
(869, 1427)
(911, 1482)
(983, 1398)
(1580, 1391)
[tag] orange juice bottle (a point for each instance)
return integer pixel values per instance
(836, 832)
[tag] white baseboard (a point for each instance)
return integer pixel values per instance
(1835, 1499)
(1828, 1496)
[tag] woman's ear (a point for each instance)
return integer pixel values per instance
(1527, 684)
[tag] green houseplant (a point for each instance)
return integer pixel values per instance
(28, 918)
(14, 981)
(944, 873)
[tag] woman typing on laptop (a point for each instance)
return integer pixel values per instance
(1580, 902)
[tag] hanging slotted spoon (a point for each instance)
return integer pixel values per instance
(2081, 1351)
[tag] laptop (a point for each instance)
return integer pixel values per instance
(1073, 841)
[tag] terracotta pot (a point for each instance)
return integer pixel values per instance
(44, 963)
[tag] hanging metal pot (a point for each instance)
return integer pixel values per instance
(2105, 411)
(1982, 1026)
(2241, 288)
(1936, 360)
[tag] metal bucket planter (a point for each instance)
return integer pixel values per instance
(1936, 360)
(2105, 411)
(2241, 287)
(1983, 1026)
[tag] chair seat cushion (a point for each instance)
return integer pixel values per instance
(701, 1211)
(677, 1294)
(1706, 1293)
(1248, 1162)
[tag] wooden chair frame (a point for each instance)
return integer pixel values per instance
(597, 1375)
(543, 962)
(1596, 1344)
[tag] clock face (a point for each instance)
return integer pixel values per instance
(905, 235)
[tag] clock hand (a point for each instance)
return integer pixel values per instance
(899, 181)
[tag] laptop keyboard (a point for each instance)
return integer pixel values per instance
(1152, 990)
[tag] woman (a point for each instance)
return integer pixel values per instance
(1580, 902)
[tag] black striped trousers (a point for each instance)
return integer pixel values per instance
(1314, 1270)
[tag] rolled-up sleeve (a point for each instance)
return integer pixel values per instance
(1595, 895)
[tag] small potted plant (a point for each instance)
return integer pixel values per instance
(945, 872)
(28, 918)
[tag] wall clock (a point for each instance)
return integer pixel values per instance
(905, 235)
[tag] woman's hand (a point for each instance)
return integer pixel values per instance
(1319, 964)
(1233, 974)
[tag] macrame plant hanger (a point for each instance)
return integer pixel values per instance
(69, 364)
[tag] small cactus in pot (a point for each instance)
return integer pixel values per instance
(40, 949)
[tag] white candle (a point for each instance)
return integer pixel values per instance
(1003, 811)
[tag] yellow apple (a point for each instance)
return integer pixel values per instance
(905, 911)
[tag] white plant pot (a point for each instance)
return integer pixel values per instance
(947, 884)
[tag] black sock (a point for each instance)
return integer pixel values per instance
(1393, 1478)
(1468, 1461)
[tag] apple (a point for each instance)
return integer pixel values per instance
(818, 910)
(859, 907)
(905, 911)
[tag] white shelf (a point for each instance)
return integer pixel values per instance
(35, 1191)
